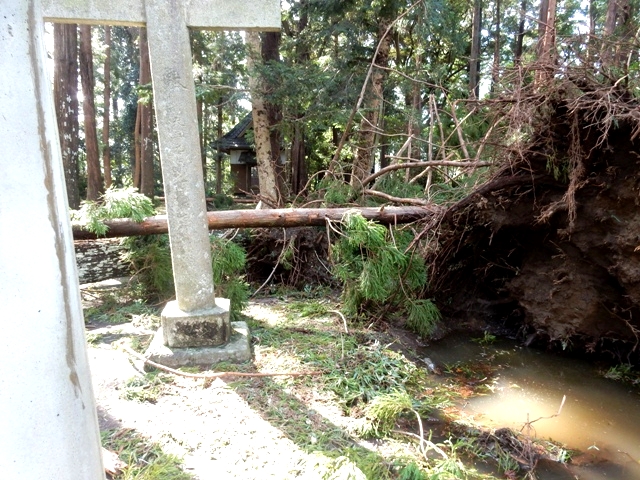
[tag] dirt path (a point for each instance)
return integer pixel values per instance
(216, 432)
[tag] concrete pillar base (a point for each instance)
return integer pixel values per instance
(204, 328)
(237, 350)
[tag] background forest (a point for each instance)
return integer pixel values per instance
(346, 87)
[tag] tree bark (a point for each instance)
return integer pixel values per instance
(495, 69)
(614, 51)
(517, 54)
(65, 90)
(546, 42)
(474, 57)
(299, 172)
(271, 54)
(146, 142)
(95, 187)
(219, 152)
(366, 135)
(268, 218)
(267, 175)
(106, 151)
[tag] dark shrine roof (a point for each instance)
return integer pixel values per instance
(235, 139)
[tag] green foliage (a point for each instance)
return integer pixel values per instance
(623, 373)
(145, 460)
(146, 388)
(145, 94)
(377, 271)
(150, 259)
(383, 411)
(336, 192)
(115, 203)
(395, 185)
(222, 201)
(112, 311)
(308, 308)
(412, 472)
(486, 339)
(228, 260)
(368, 371)
(423, 317)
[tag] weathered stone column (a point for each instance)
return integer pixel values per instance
(48, 422)
(193, 319)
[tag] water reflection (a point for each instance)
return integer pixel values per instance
(600, 417)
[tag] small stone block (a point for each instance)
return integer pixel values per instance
(204, 328)
(237, 350)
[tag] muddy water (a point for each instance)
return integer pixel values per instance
(600, 417)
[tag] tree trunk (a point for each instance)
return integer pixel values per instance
(591, 42)
(95, 186)
(106, 151)
(546, 42)
(517, 54)
(415, 125)
(65, 90)
(474, 57)
(614, 51)
(146, 142)
(268, 218)
(495, 69)
(219, 152)
(271, 54)
(200, 112)
(299, 175)
(366, 135)
(137, 167)
(267, 175)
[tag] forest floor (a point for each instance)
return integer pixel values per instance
(164, 426)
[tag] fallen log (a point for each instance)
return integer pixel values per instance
(268, 218)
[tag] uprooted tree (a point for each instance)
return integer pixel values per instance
(528, 192)
(549, 247)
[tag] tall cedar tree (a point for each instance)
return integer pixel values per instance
(369, 126)
(474, 58)
(299, 173)
(65, 93)
(95, 186)
(267, 175)
(143, 171)
(106, 152)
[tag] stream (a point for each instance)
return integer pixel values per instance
(600, 417)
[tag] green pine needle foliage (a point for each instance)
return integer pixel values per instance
(383, 411)
(377, 272)
(336, 192)
(150, 258)
(412, 472)
(229, 261)
(395, 184)
(423, 317)
(115, 203)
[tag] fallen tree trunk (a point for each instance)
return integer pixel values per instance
(268, 218)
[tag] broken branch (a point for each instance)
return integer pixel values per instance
(215, 374)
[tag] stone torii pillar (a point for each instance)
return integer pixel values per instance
(194, 319)
(48, 421)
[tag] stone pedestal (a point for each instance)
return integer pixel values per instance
(202, 328)
(236, 350)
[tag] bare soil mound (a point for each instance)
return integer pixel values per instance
(549, 249)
